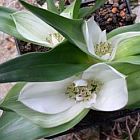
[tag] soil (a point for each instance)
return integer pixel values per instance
(24, 47)
(114, 14)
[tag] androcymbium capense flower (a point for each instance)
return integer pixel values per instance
(97, 43)
(37, 31)
(100, 87)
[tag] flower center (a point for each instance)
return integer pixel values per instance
(103, 48)
(83, 92)
(54, 38)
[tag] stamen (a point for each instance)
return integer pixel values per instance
(83, 93)
(103, 48)
(57, 36)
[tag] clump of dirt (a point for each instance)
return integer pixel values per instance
(24, 47)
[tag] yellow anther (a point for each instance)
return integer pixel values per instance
(57, 36)
(103, 48)
(83, 93)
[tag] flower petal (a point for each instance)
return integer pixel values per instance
(119, 38)
(114, 94)
(80, 82)
(101, 72)
(103, 37)
(33, 28)
(92, 33)
(47, 97)
(66, 15)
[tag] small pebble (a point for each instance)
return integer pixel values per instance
(114, 10)
(122, 13)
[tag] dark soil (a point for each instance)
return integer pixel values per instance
(24, 47)
(113, 15)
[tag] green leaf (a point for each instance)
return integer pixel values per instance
(74, 8)
(13, 127)
(133, 81)
(7, 24)
(83, 12)
(62, 62)
(61, 5)
(87, 11)
(51, 6)
(41, 119)
(130, 59)
(128, 47)
(129, 28)
(69, 28)
(125, 68)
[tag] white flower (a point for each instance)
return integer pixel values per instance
(100, 87)
(37, 31)
(97, 42)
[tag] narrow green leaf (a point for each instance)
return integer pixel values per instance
(73, 9)
(61, 5)
(129, 28)
(69, 28)
(125, 68)
(133, 81)
(7, 24)
(41, 119)
(83, 12)
(13, 127)
(51, 6)
(62, 62)
(130, 59)
(128, 47)
(87, 11)
(76, 6)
